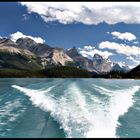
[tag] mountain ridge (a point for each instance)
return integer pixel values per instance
(25, 53)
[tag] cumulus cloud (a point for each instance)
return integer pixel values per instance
(18, 35)
(124, 36)
(86, 12)
(130, 58)
(136, 42)
(135, 60)
(90, 51)
(120, 48)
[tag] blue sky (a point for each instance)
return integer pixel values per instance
(110, 29)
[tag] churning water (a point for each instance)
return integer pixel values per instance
(87, 108)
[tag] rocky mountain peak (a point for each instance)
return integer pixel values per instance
(27, 39)
(6, 42)
(120, 67)
(25, 42)
(72, 52)
(97, 56)
(57, 56)
(58, 49)
(60, 57)
(126, 67)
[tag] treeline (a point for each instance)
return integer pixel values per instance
(50, 72)
(66, 72)
(15, 73)
(119, 75)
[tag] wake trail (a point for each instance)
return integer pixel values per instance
(80, 117)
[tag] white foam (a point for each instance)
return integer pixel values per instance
(77, 116)
(103, 90)
(106, 118)
(69, 110)
(7, 115)
(38, 97)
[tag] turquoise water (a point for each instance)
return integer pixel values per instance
(37, 107)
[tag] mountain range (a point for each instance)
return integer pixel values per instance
(26, 54)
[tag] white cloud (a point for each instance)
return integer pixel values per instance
(123, 36)
(130, 58)
(86, 12)
(120, 48)
(90, 51)
(88, 48)
(25, 17)
(18, 35)
(136, 42)
(135, 60)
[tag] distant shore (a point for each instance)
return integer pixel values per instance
(61, 72)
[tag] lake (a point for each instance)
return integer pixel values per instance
(55, 107)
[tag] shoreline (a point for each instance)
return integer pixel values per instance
(72, 78)
(64, 72)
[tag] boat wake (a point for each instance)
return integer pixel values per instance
(9, 112)
(83, 114)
